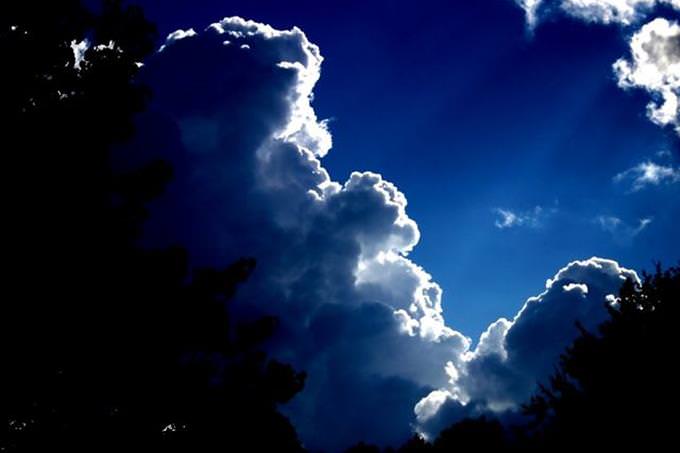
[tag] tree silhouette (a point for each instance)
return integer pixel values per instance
(362, 447)
(472, 434)
(614, 389)
(415, 444)
(107, 346)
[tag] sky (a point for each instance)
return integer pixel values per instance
(497, 118)
(409, 176)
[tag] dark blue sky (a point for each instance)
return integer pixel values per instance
(466, 112)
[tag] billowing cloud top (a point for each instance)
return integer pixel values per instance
(654, 63)
(655, 66)
(622, 12)
(511, 355)
(232, 111)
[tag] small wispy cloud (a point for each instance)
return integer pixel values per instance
(533, 218)
(622, 232)
(649, 174)
(530, 8)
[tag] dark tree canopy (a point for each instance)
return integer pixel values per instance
(471, 434)
(107, 346)
(617, 388)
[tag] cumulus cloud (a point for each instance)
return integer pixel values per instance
(621, 12)
(232, 110)
(649, 174)
(654, 62)
(513, 355)
(531, 219)
(654, 66)
(624, 12)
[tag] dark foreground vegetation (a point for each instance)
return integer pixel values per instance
(108, 346)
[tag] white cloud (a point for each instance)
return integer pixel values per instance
(531, 219)
(624, 12)
(578, 287)
(513, 355)
(177, 35)
(507, 219)
(655, 67)
(622, 232)
(430, 405)
(654, 64)
(356, 313)
(621, 12)
(492, 340)
(649, 174)
(530, 8)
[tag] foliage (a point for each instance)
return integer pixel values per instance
(107, 346)
(613, 389)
